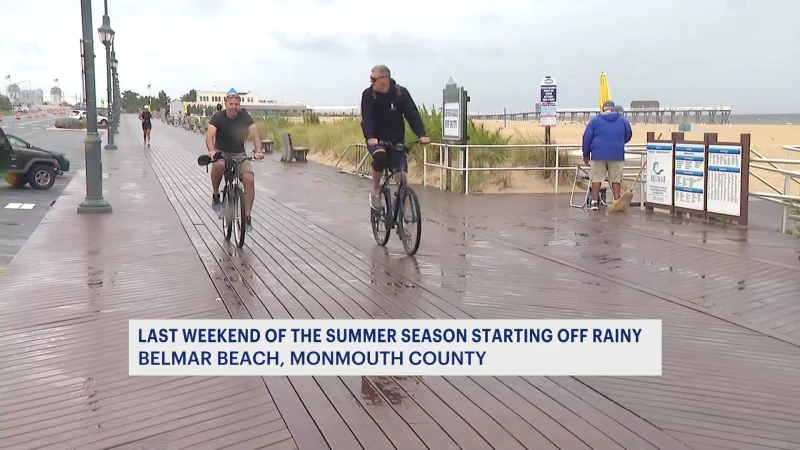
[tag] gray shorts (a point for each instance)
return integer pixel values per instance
(242, 164)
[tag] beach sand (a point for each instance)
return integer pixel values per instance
(767, 140)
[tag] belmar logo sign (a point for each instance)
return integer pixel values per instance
(656, 177)
(656, 169)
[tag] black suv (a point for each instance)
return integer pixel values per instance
(27, 165)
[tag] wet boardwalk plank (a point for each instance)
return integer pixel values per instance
(730, 362)
(65, 302)
(460, 412)
(501, 271)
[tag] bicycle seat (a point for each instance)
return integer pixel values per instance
(204, 160)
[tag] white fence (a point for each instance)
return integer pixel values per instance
(784, 197)
(635, 159)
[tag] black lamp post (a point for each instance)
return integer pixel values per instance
(94, 201)
(106, 35)
(115, 93)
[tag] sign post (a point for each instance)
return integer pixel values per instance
(549, 101)
(454, 127)
(660, 172)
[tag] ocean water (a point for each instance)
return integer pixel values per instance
(765, 119)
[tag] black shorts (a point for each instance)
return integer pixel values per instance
(146, 125)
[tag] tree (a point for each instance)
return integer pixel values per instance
(190, 96)
(5, 103)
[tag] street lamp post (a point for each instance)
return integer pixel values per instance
(94, 201)
(106, 35)
(115, 92)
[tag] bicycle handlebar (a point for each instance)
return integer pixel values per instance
(391, 146)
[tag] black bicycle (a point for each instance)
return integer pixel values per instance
(232, 213)
(408, 217)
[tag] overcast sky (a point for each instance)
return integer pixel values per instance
(739, 53)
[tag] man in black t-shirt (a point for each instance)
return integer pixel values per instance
(227, 132)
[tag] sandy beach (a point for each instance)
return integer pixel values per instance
(767, 140)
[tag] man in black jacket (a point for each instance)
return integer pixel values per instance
(384, 105)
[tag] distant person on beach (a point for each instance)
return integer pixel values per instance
(219, 106)
(604, 150)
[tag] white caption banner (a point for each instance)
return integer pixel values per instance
(395, 347)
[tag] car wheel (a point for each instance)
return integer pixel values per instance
(103, 122)
(16, 180)
(41, 177)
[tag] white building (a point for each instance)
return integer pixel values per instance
(56, 96)
(211, 98)
(31, 96)
(250, 101)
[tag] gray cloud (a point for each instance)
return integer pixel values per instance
(30, 49)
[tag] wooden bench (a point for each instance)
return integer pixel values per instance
(291, 153)
(267, 145)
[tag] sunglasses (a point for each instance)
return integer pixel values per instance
(374, 79)
(232, 96)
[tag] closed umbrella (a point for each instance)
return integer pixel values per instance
(605, 92)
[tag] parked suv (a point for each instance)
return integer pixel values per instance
(27, 165)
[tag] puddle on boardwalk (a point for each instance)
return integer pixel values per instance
(386, 389)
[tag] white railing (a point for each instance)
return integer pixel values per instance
(790, 203)
(635, 160)
(573, 164)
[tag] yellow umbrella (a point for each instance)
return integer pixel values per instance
(605, 92)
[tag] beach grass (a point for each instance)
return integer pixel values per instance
(331, 137)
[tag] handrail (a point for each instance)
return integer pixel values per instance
(782, 197)
(631, 149)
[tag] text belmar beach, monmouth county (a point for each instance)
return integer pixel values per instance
(262, 354)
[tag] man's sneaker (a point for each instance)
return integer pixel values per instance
(593, 206)
(375, 202)
(216, 203)
(248, 226)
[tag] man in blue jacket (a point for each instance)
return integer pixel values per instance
(604, 143)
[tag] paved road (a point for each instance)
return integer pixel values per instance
(18, 224)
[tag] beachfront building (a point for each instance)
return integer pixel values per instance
(344, 111)
(208, 100)
(56, 96)
(31, 97)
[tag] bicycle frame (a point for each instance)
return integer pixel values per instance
(388, 175)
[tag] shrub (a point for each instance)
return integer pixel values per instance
(70, 123)
(332, 138)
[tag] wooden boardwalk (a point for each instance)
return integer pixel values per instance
(730, 302)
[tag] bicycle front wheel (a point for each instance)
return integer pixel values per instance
(381, 221)
(238, 222)
(227, 214)
(410, 221)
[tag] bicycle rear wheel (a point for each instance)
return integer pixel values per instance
(239, 230)
(410, 221)
(227, 215)
(380, 221)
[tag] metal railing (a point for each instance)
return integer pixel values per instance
(790, 203)
(635, 159)
(573, 163)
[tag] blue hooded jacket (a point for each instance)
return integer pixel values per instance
(605, 137)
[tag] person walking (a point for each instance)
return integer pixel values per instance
(604, 150)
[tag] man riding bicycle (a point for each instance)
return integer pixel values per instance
(227, 132)
(383, 106)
